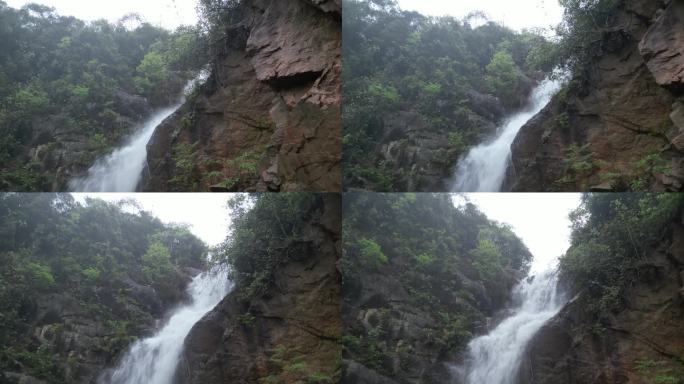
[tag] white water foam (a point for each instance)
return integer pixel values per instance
(154, 360)
(121, 170)
(495, 358)
(484, 167)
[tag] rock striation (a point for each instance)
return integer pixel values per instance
(406, 321)
(82, 345)
(617, 125)
(292, 328)
(268, 118)
(640, 344)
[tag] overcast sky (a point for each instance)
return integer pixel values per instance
(516, 14)
(206, 213)
(165, 13)
(539, 219)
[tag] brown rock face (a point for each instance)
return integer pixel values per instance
(642, 344)
(663, 47)
(294, 327)
(611, 127)
(268, 117)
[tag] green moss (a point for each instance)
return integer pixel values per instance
(188, 120)
(246, 163)
(247, 319)
(185, 175)
(296, 367)
(645, 169)
(214, 176)
(661, 371)
(319, 378)
(563, 121)
(229, 183)
(456, 142)
(265, 124)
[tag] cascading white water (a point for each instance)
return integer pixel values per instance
(495, 357)
(153, 360)
(121, 170)
(484, 167)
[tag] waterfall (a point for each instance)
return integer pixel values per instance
(495, 358)
(121, 170)
(153, 360)
(484, 167)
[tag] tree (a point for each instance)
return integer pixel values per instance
(612, 234)
(503, 76)
(60, 71)
(432, 67)
(581, 31)
(156, 262)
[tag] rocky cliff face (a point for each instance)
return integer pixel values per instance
(619, 124)
(422, 158)
(81, 344)
(268, 118)
(408, 347)
(289, 333)
(414, 293)
(56, 150)
(641, 344)
(409, 143)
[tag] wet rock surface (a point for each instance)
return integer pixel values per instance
(268, 118)
(640, 344)
(611, 128)
(84, 345)
(299, 314)
(58, 150)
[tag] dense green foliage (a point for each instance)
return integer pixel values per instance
(269, 234)
(439, 253)
(264, 226)
(612, 235)
(398, 61)
(215, 17)
(584, 31)
(50, 244)
(80, 78)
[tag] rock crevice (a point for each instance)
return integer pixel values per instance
(268, 118)
(615, 127)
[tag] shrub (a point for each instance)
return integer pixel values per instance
(612, 234)
(425, 259)
(503, 76)
(156, 262)
(91, 273)
(40, 274)
(487, 259)
(371, 253)
(456, 142)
